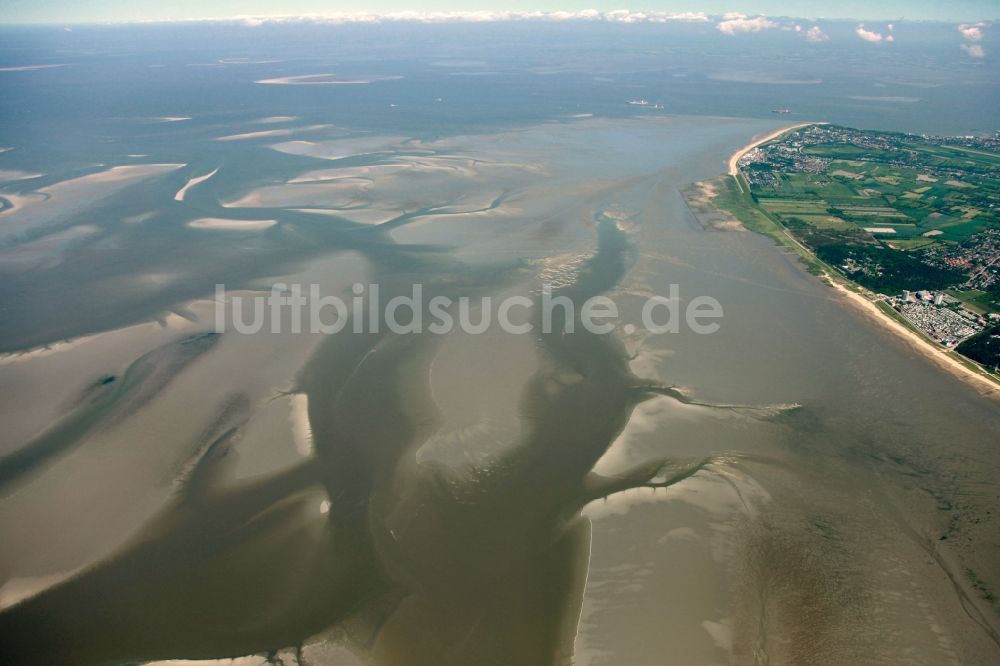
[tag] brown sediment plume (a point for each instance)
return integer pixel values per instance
(411, 562)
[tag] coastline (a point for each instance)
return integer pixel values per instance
(984, 384)
(734, 170)
(936, 354)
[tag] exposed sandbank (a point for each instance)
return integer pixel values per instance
(219, 223)
(322, 80)
(181, 193)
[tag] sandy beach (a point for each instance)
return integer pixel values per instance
(761, 140)
(983, 384)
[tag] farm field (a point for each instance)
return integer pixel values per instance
(907, 189)
(890, 211)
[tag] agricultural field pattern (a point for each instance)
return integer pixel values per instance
(909, 218)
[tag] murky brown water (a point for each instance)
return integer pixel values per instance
(417, 499)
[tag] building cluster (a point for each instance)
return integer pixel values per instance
(978, 257)
(762, 165)
(987, 143)
(938, 315)
(865, 265)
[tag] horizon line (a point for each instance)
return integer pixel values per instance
(620, 16)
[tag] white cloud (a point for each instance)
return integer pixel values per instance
(616, 16)
(626, 16)
(731, 23)
(683, 16)
(870, 35)
(972, 31)
(974, 50)
(740, 23)
(815, 35)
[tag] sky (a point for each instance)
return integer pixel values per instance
(63, 12)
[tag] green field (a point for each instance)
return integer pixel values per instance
(886, 204)
(910, 186)
(895, 213)
(977, 301)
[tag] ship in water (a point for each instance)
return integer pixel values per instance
(644, 102)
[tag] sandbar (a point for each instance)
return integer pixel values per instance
(223, 224)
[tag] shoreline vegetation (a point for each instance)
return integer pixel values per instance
(728, 198)
(760, 141)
